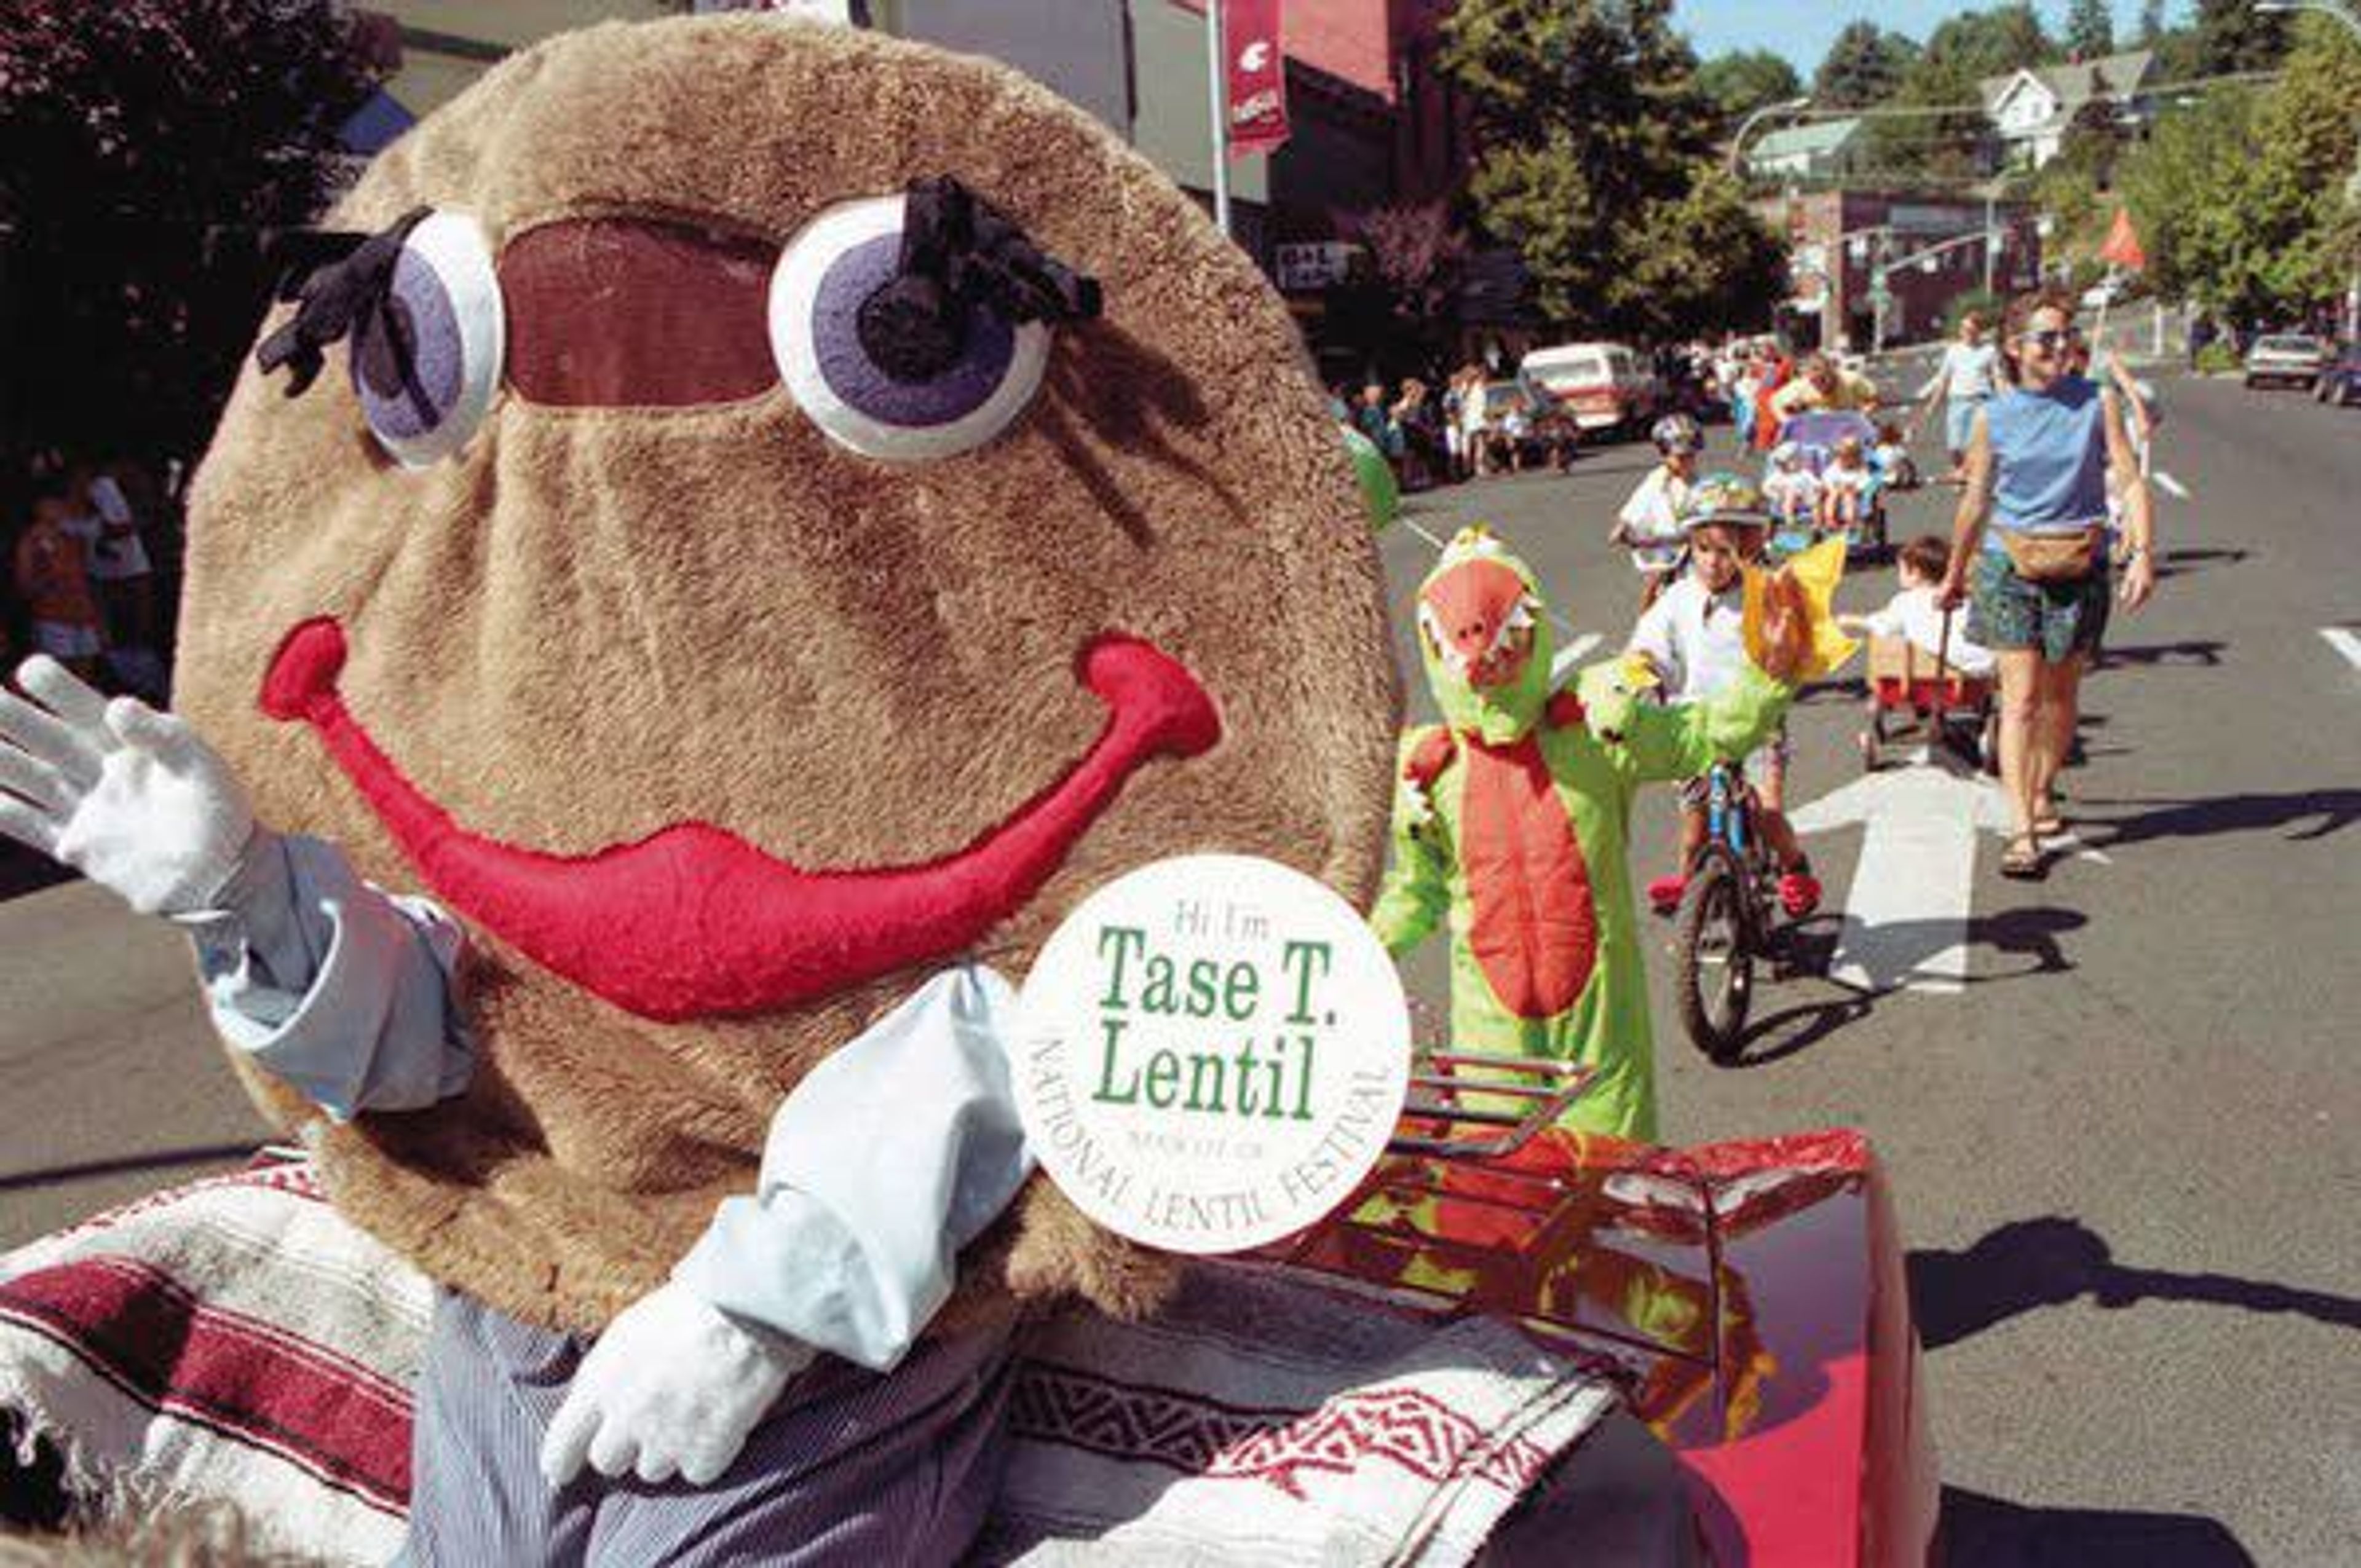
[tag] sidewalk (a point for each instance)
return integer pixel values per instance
(112, 1078)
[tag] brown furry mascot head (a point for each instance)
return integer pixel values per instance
(734, 607)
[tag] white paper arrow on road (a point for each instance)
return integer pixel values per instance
(1905, 918)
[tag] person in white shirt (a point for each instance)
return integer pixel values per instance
(1650, 523)
(119, 568)
(1914, 617)
(1693, 643)
(1845, 487)
(1965, 380)
(1892, 459)
(1475, 438)
(1792, 491)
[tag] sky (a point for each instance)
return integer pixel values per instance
(1802, 32)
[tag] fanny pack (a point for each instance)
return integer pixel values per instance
(2054, 557)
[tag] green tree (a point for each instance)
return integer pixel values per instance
(1744, 81)
(2089, 28)
(2231, 35)
(1863, 66)
(1703, 264)
(1589, 123)
(2241, 197)
(1942, 144)
(2151, 23)
(2183, 188)
(2304, 184)
(143, 145)
(1993, 42)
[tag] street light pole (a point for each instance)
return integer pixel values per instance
(1746, 125)
(1217, 90)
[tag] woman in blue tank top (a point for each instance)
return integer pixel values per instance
(2028, 551)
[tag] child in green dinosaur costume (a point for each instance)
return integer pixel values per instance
(1511, 815)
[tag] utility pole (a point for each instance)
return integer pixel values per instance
(1218, 98)
(1991, 239)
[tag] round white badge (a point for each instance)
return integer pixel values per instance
(1212, 1052)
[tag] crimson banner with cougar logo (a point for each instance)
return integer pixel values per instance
(1256, 89)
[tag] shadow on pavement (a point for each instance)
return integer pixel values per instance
(2179, 563)
(2336, 809)
(1984, 1533)
(1784, 1034)
(164, 1159)
(1810, 947)
(2203, 650)
(2052, 1260)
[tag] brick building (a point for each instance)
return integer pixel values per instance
(1929, 250)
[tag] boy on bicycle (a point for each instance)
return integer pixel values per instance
(1693, 641)
(1650, 523)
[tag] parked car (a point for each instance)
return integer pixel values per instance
(2106, 291)
(2340, 378)
(1604, 385)
(2288, 358)
(1526, 427)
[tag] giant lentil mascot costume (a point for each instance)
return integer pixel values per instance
(769, 517)
(1511, 818)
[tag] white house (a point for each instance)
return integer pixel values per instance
(1819, 150)
(2031, 109)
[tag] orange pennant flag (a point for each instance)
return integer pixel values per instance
(2123, 246)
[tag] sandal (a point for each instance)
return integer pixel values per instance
(2021, 862)
(2051, 826)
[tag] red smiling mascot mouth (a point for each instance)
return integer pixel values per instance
(692, 921)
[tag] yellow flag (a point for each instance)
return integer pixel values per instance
(1817, 571)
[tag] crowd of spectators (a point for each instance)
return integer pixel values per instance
(1474, 425)
(89, 551)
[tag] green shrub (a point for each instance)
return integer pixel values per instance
(2218, 358)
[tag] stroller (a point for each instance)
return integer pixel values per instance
(1815, 436)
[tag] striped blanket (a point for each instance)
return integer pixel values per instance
(236, 1339)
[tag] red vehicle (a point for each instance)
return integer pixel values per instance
(1912, 691)
(1749, 1296)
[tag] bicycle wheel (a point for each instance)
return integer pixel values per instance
(1713, 950)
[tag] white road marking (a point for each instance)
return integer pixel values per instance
(1906, 916)
(1570, 656)
(2344, 643)
(1439, 545)
(2169, 485)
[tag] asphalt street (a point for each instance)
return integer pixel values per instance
(2124, 1148)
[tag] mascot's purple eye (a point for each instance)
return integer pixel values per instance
(959, 399)
(426, 364)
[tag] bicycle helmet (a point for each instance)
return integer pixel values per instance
(1676, 432)
(1726, 498)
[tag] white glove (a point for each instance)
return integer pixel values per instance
(672, 1388)
(127, 795)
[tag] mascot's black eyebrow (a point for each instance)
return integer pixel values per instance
(958, 252)
(351, 280)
